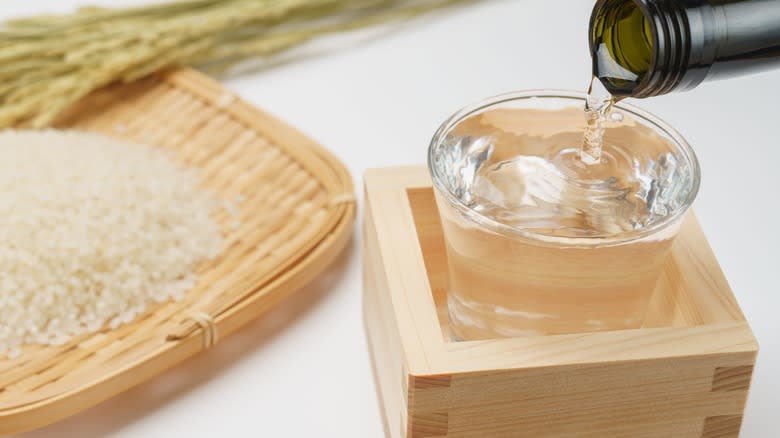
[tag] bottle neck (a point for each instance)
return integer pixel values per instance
(684, 35)
(696, 40)
(671, 32)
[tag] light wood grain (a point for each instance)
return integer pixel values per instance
(390, 367)
(296, 215)
(722, 426)
(685, 374)
(732, 378)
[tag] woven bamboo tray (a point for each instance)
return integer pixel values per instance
(296, 216)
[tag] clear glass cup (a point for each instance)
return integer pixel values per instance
(539, 242)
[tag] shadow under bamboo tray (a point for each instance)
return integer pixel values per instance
(296, 215)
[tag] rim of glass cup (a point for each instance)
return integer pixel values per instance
(484, 221)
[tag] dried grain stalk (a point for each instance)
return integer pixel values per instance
(48, 62)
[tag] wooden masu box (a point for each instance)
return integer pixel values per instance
(685, 374)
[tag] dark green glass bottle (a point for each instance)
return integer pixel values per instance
(643, 48)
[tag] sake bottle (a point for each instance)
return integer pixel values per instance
(643, 48)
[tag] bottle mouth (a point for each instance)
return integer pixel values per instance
(622, 44)
(638, 48)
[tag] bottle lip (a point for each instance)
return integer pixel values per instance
(475, 217)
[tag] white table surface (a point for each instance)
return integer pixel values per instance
(375, 100)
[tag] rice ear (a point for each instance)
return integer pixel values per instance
(60, 58)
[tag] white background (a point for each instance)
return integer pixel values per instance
(303, 370)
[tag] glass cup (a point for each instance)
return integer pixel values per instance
(539, 242)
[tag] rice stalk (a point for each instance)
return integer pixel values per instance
(50, 61)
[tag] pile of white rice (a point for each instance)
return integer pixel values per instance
(93, 231)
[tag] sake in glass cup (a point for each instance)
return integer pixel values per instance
(540, 242)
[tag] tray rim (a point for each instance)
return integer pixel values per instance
(314, 158)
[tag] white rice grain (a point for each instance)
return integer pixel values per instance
(93, 232)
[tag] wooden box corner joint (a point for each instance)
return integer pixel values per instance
(686, 373)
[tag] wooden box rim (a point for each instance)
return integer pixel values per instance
(427, 353)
